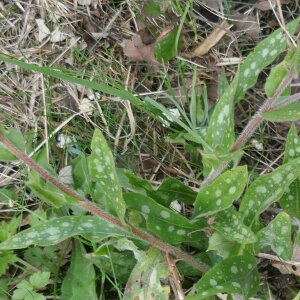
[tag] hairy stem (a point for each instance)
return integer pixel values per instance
(252, 125)
(95, 210)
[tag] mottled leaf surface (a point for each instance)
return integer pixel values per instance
(57, 230)
(277, 235)
(267, 189)
(290, 200)
(79, 282)
(290, 112)
(220, 131)
(164, 222)
(102, 169)
(262, 55)
(236, 274)
(220, 194)
(230, 224)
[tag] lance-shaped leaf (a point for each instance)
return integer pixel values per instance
(278, 73)
(102, 169)
(267, 189)
(146, 279)
(277, 235)
(220, 131)
(48, 192)
(58, 230)
(230, 224)
(290, 200)
(75, 286)
(262, 55)
(162, 221)
(236, 274)
(290, 112)
(220, 194)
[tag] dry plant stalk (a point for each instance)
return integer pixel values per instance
(214, 37)
(97, 211)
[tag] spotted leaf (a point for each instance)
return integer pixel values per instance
(277, 235)
(236, 274)
(290, 200)
(290, 112)
(220, 131)
(230, 224)
(162, 221)
(220, 194)
(263, 55)
(60, 229)
(102, 168)
(267, 189)
(278, 73)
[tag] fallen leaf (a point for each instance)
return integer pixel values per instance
(57, 36)
(249, 25)
(214, 37)
(264, 5)
(213, 4)
(290, 268)
(65, 175)
(136, 50)
(86, 106)
(84, 2)
(43, 29)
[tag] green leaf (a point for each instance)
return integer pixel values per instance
(24, 288)
(222, 84)
(220, 131)
(146, 279)
(116, 264)
(290, 112)
(79, 282)
(278, 73)
(17, 139)
(8, 229)
(236, 274)
(162, 221)
(47, 191)
(42, 258)
(222, 246)
(165, 49)
(277, 235)
(220, 194)
(102, 169)
(40, 279)
(267, 189)
(230, 224)
(262, 55)
(290, 200)
(172, 189)
(133, 183)
(81, 174)
(57, 230)
(6, 258)
(151, 8)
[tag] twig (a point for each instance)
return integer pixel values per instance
(95, 210)
(277, 259)
(175, 277)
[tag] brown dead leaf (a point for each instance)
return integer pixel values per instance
(214, 37)
(264, 5)
(290, 268)
(249, 25)
(136, 50)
